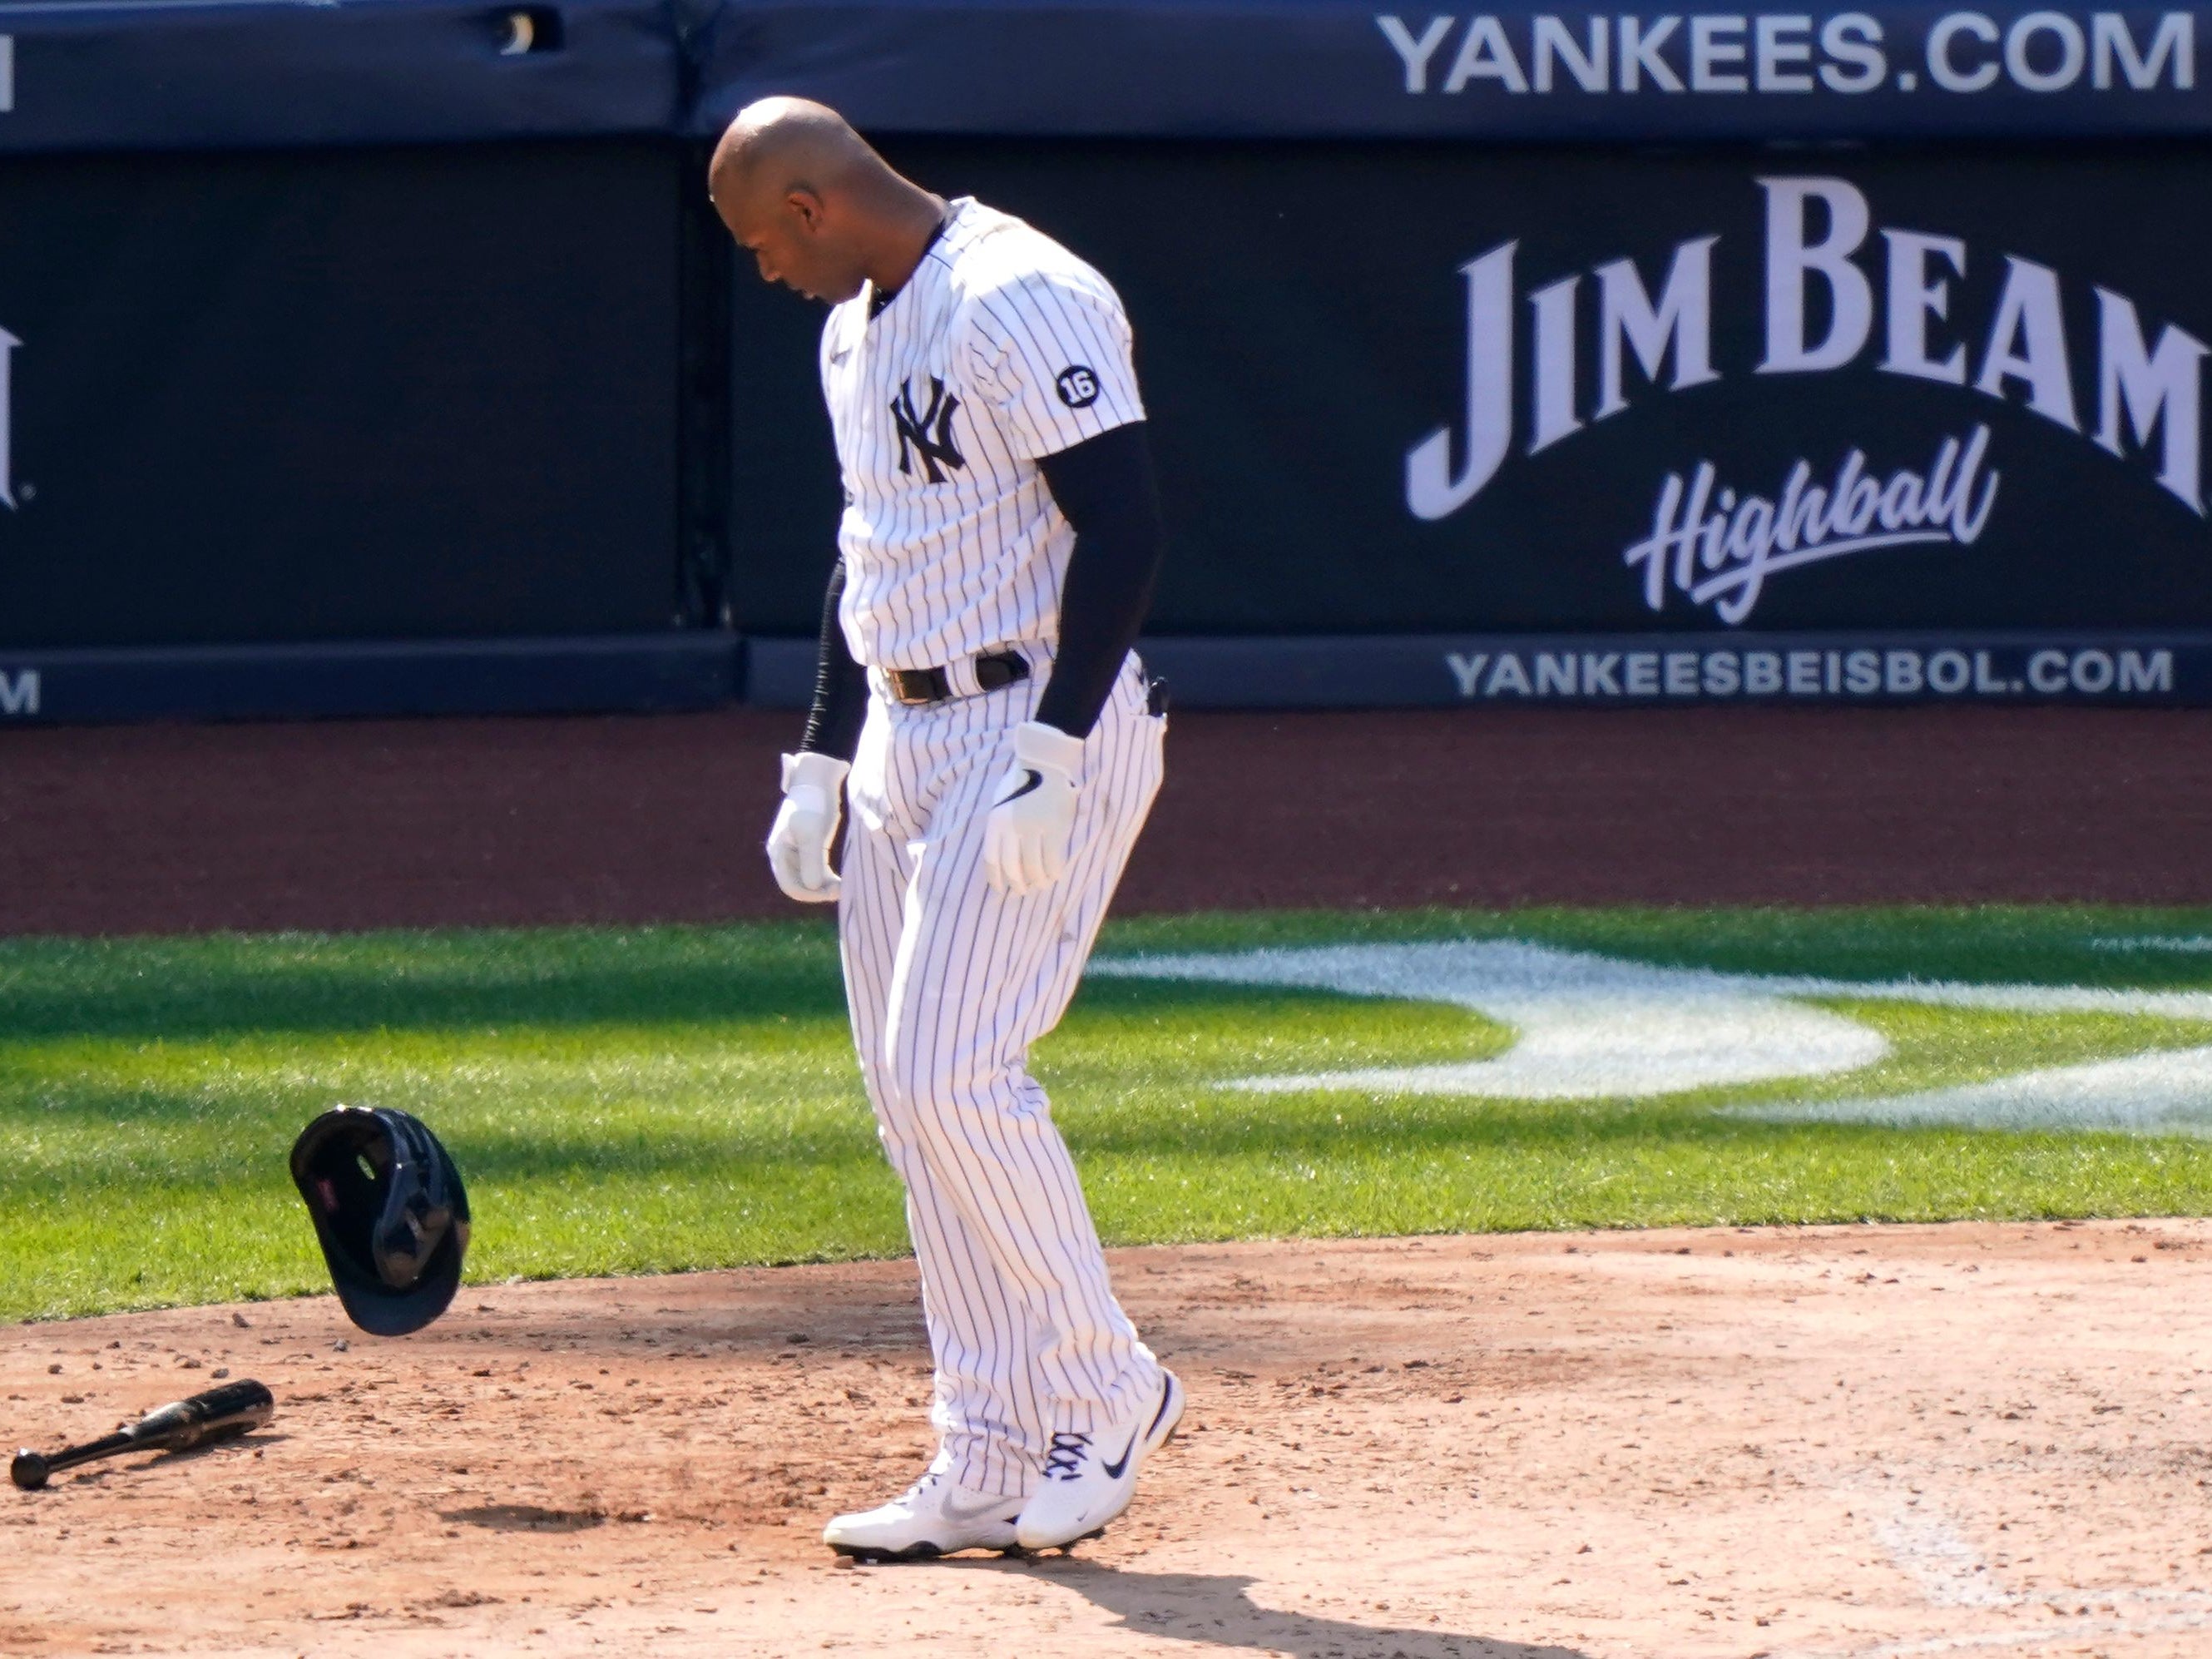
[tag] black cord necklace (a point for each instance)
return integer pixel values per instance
(882, 297)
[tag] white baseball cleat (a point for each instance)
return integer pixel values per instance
(932, 1518)
(1089, 1478)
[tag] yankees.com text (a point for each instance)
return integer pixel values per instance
(1872, 673)
(1792, 54)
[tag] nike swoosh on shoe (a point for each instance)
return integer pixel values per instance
(1167, 1399)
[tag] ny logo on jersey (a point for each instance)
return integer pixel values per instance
(930, 432)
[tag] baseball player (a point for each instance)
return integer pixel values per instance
(998, 749)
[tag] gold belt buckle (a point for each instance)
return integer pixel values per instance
(916, 687)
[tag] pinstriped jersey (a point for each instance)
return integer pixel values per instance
(1001, 348)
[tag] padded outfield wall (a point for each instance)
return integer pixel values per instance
(349, 356)
(385, 358)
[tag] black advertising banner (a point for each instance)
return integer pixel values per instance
(352, 395)
(113, 74)
(1935, 402)
(1316, 69)
(217, 74)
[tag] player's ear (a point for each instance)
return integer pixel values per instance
(804, 206)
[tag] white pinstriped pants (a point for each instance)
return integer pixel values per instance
(949, 981)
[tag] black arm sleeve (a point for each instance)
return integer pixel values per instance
(1105, 487)
(841, 684)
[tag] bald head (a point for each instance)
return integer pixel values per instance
(780, 144)
(820, 209)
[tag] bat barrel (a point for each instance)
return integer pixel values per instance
(220, 1413)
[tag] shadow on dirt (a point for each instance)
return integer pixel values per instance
(1217, 1610)
(95, 1473)
(252, 1441)
(526, 1517)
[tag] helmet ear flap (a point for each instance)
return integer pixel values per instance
(411, 1222)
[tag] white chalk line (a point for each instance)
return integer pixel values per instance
(1925, 1544)
(1928, 1547)
(2068, 1629)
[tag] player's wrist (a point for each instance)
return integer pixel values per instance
(1048, 749)
(810, 769)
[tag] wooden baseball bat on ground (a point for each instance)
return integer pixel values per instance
(222, 1413)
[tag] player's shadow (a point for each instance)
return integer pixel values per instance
(1216, 1610)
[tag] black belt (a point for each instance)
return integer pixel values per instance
(918, 688)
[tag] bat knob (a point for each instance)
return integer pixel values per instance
(28, 1471)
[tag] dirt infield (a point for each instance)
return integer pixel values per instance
(370, 824)
(1861, 1443)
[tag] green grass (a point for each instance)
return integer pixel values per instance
(644, 1100)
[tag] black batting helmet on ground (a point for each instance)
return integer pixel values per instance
(389, 1211)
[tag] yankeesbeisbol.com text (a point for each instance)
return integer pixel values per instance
(1828, 674)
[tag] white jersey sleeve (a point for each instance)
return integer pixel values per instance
(1050, 351)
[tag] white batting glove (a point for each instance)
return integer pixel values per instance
(798, 845)
(1033, 814)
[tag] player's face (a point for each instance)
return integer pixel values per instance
(795, 241)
